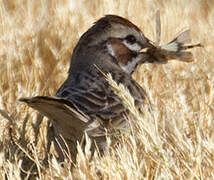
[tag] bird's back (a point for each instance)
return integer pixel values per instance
(93, 95)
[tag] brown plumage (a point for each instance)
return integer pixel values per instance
(85, 103)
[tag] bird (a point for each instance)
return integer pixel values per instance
(86, 103)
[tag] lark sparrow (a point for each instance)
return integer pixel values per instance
(86, 103)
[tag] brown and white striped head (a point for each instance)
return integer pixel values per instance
(112, 41)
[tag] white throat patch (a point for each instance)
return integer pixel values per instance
(129, 68)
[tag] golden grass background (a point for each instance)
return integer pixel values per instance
(175, 140)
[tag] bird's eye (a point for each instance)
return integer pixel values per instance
(131, 39)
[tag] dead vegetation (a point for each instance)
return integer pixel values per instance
(172, 139)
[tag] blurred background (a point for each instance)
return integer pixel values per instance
(37, 39)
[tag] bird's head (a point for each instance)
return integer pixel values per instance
(112, 41)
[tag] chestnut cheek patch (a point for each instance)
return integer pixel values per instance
(119, 51)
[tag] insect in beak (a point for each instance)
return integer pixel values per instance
(175, 49)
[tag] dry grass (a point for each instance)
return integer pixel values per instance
(173, 139)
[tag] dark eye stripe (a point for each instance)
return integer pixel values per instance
(131, 39)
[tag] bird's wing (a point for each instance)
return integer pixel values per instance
(96, 109)
(67, 117)
(99, 101)
(101, 105)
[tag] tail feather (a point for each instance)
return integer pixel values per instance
(67, 117)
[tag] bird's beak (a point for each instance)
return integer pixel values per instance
(147, 44)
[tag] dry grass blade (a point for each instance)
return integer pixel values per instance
(158, 28)
(172, 141)
(6, 116)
